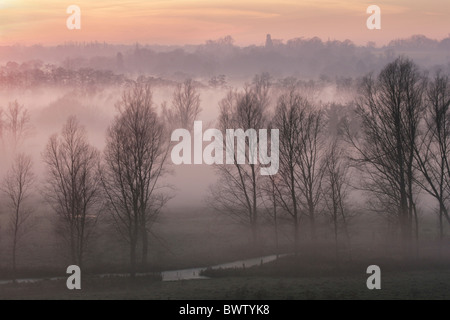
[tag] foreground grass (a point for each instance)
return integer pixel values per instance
(431, 284)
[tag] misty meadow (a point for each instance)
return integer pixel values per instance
(88, 177)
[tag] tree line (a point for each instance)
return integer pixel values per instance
(391, 143)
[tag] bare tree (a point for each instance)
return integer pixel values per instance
(238, 191)
(289, 114)
(432, 153)
(261, 86)
(336, 189)
(185, 105)
(135, 158)
(301, 158)
(390, 109)
(17, 187)
(16, 125)
(271, 204)
(73, 186)
(310, 171)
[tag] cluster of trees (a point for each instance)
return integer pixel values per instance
(81, 183)
(420, 42)
(18, 181)
(392, 143)
(403, 145)
(394, 147)
(308, 57)
(313, 168)
(34, 74)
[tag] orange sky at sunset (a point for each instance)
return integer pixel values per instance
(194, 21)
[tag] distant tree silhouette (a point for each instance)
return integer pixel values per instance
(185, 106)
(17, 187)
(16, 125)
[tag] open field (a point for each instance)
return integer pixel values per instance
(430, 284)
(198, 237)
(308, 276)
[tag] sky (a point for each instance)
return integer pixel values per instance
(178, 22)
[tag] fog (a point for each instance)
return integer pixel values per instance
(197, 216)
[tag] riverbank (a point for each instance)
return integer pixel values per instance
(170, 275)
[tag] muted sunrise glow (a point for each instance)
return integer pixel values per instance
(194, 21)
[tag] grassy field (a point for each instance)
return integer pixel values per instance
(431, 284)
(197, 238)
(288, 278)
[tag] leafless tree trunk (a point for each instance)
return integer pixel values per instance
(336, 189)
(275, 219)
(135, 157)
(270, 201)
(17, 188)
(73, 186)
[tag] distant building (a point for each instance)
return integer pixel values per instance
(269, 43)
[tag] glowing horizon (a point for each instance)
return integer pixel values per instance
(178, 22)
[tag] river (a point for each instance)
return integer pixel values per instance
(172, 275)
